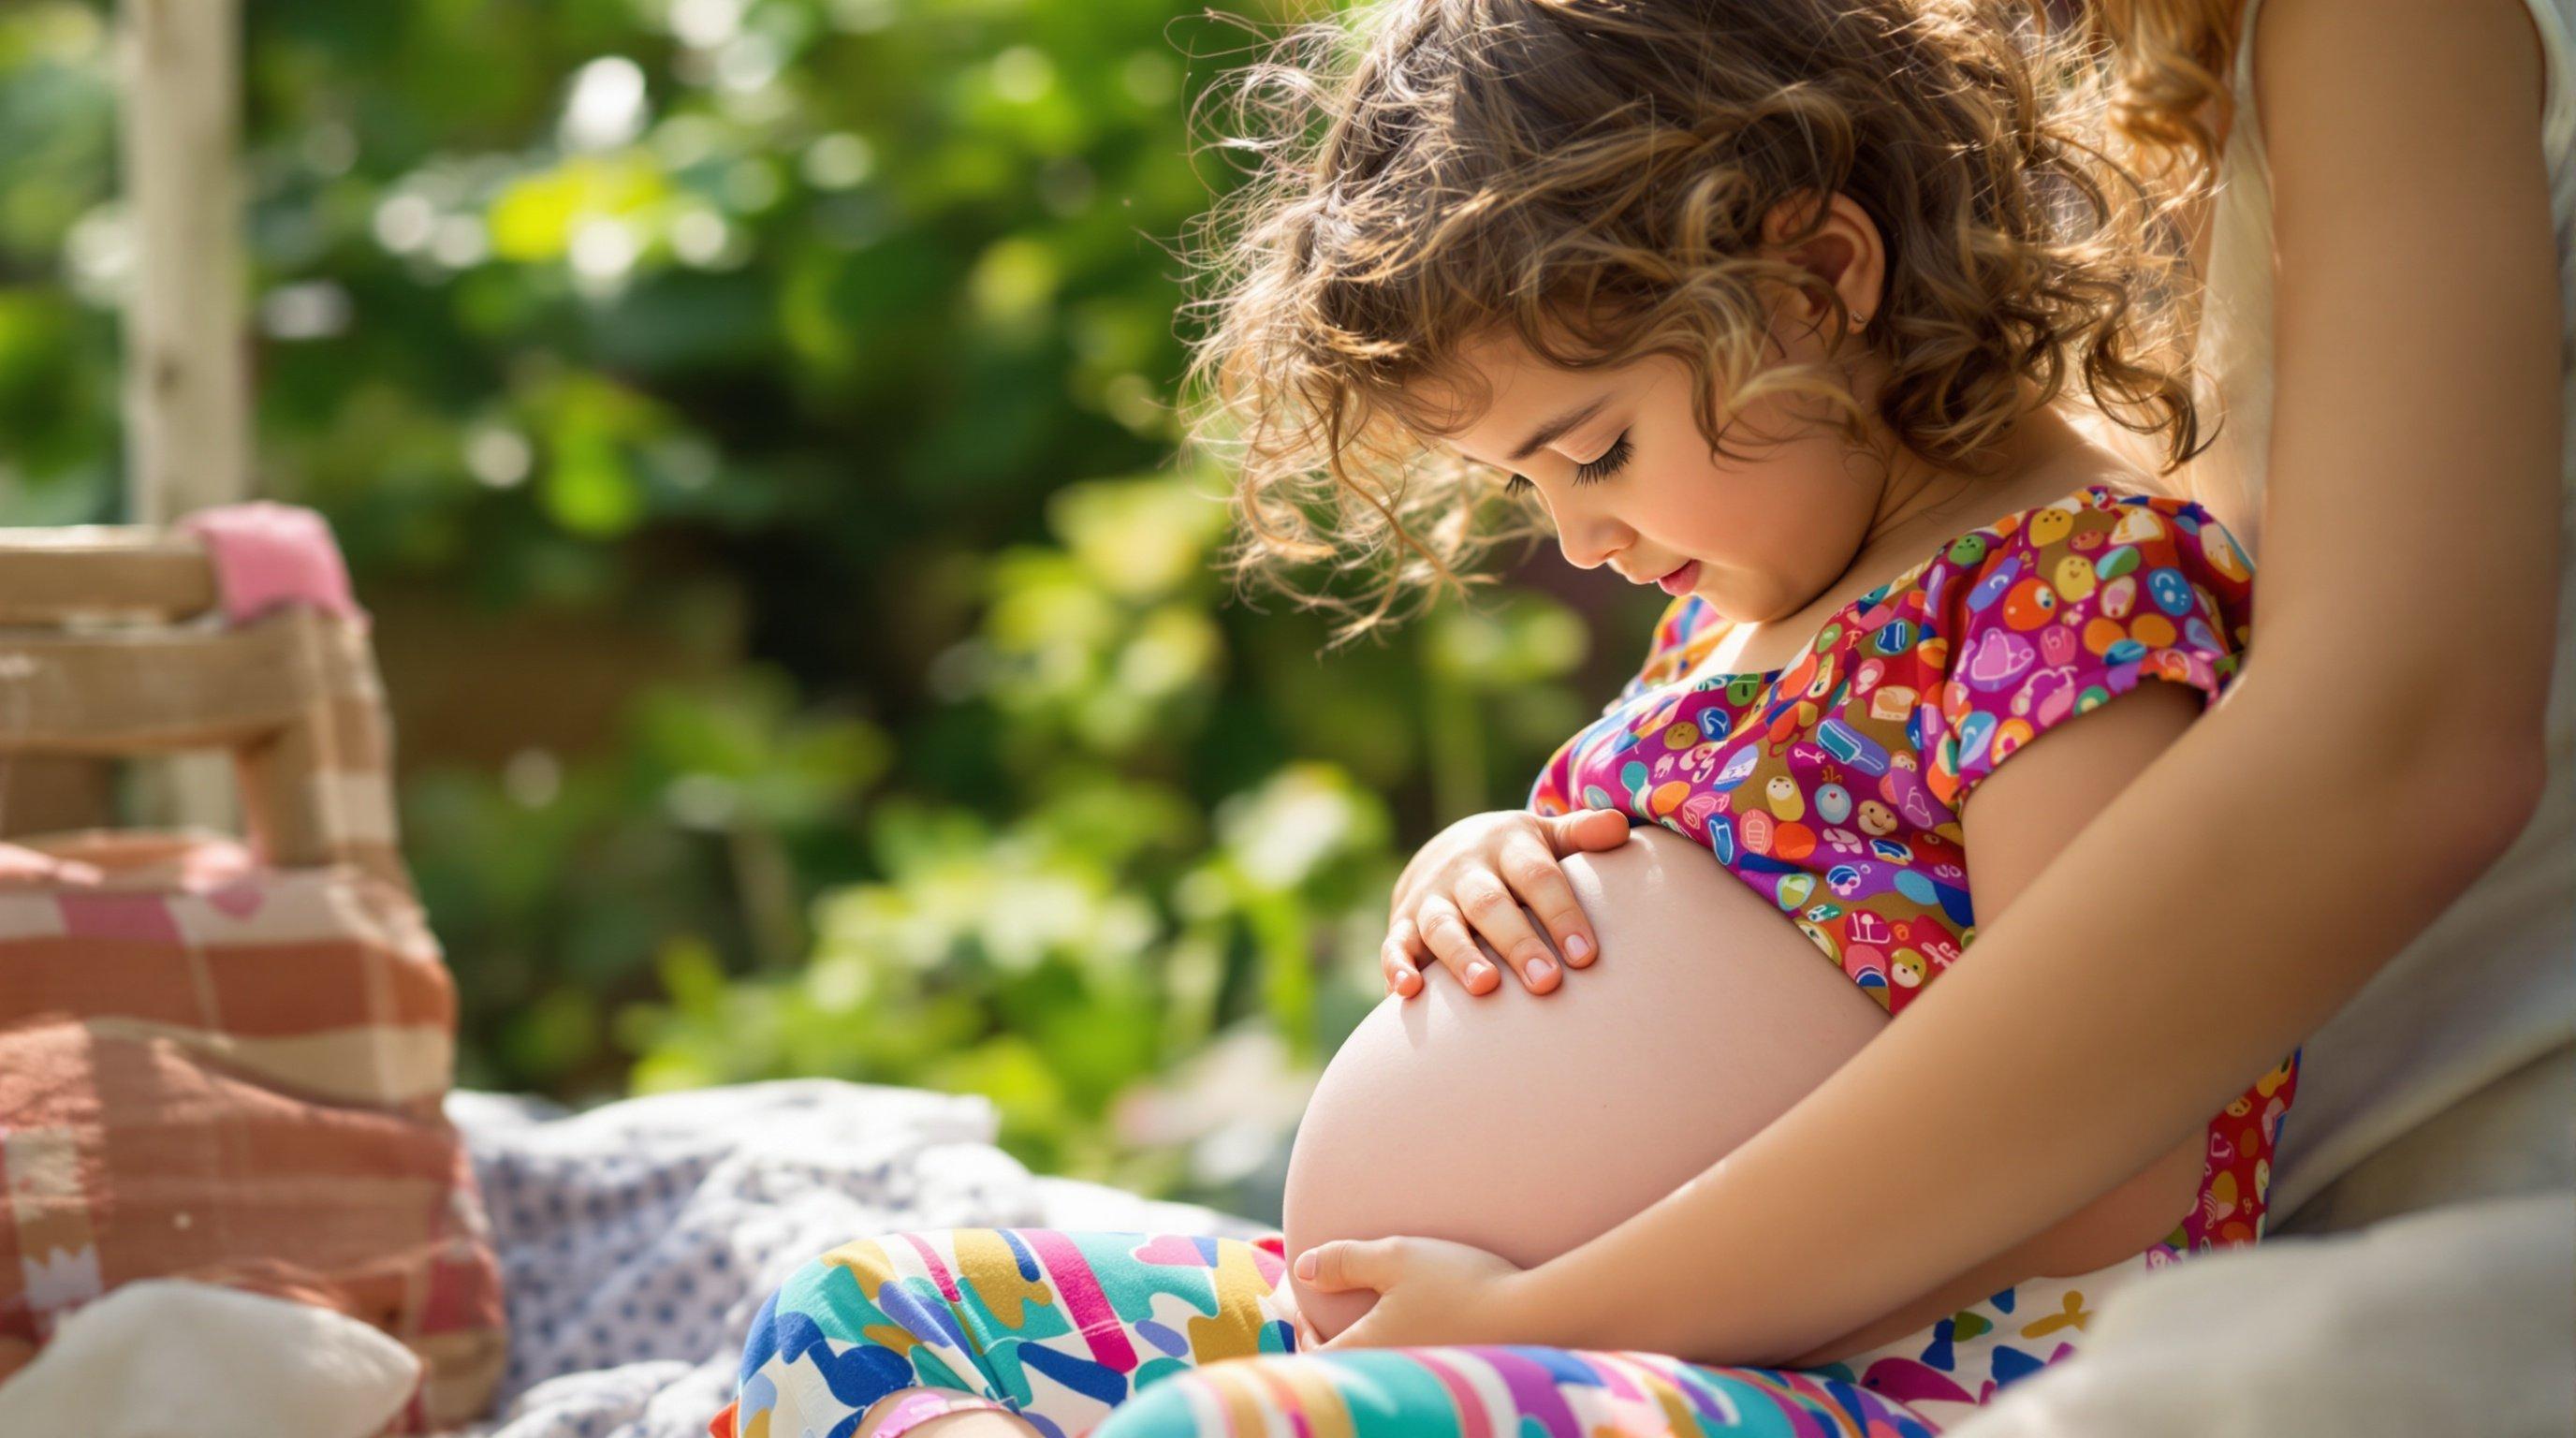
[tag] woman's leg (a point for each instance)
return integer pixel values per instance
(1057, 1327)
(1503, 1392)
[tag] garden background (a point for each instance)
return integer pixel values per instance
(750, 425)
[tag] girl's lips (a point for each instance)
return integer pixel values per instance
(1680, 580)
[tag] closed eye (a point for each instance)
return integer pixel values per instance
(1610, 463)
(1607, 465)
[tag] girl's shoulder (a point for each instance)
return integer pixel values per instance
(2058, 551)
(2030, 561)
(2068, 548)
(2051, 613)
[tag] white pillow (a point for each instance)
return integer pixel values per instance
(166, 1358)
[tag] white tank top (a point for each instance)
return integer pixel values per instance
(2492, 984)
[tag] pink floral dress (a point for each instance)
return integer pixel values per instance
(1833, 787)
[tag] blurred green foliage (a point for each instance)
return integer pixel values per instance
(853, 319)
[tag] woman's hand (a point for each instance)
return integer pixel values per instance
(1429, 1291)
(1473, 879)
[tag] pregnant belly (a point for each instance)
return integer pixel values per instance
(1528, 1124)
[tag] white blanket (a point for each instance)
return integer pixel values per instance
(637, 1239)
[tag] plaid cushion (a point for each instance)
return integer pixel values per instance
(214, 1070)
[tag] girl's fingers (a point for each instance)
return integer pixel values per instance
(1488, 904)
(1400, 960)
(1540, 882)
(1585, 830)
(1445, 930)
(1391, 965)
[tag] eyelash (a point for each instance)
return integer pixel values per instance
(1600, 469)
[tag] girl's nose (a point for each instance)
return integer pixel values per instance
(1588, 540)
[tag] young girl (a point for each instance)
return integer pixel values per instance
(2384, 246)
(1772, 303)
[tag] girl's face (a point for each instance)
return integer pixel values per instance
(1623, 469)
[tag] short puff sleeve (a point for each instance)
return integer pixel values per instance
(2074, 607)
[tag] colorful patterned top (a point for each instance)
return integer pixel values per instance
(1833, 786)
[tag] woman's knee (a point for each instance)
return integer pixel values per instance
(828, 1300)
(844, 1313)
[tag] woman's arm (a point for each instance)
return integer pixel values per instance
(2380, 750)
(2015, 823)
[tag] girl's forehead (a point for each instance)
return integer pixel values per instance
(1454, 417)
(1480, 375)
(1507, 434)
(1443, 405)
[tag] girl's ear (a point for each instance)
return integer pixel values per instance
(1842, 247)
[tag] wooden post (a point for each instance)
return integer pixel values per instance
(187, 391)
(187, 410)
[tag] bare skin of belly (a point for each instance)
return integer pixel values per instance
(1528, 1124)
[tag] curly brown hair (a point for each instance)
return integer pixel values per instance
(1593, 177)
(2170, 62)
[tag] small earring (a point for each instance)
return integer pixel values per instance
(1859, 323)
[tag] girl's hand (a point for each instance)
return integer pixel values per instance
(1474, 877)
(1429, 1291)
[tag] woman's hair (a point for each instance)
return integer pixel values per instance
(1592, 178)
(2170, 59)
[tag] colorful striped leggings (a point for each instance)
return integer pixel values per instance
(1123, 1334)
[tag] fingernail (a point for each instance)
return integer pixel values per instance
(1306, 1264)
(1477, 971)
(1540, 969)
(1578, 950)
(1405, 984)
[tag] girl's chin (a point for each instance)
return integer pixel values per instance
(1732, 604)
(1741, 596)
(1767, 600)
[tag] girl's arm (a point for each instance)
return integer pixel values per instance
(2381, 749)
